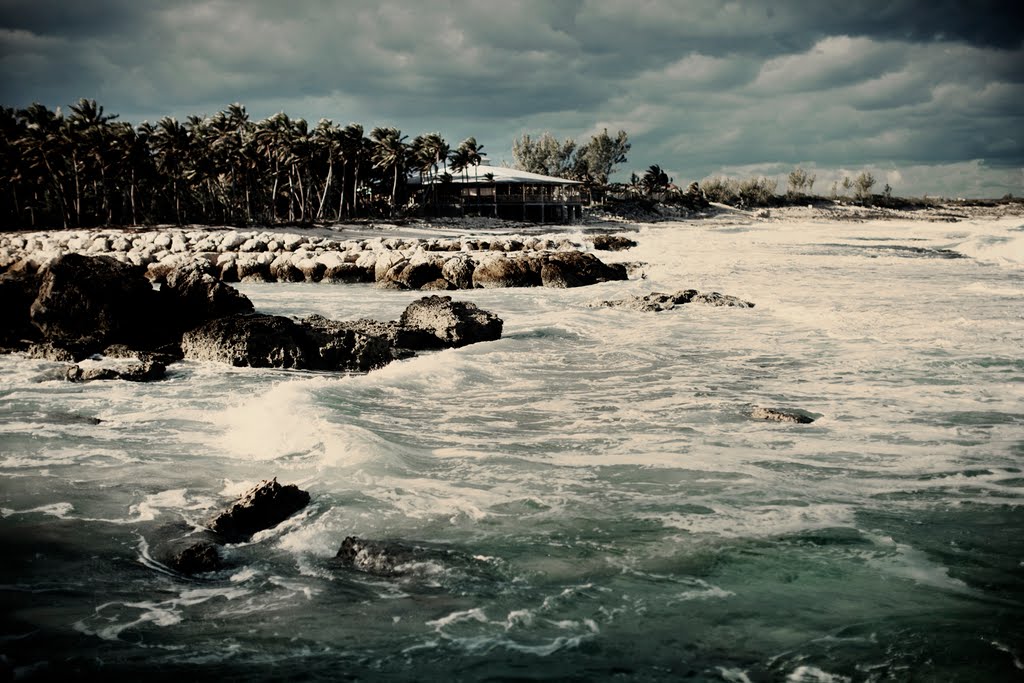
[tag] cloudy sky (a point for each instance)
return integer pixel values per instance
(928, 96)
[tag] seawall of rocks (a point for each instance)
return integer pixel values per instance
(264, 256)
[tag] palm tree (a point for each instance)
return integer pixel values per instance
(171, 144)
(390, 152)
(655, 179)
(354, 153)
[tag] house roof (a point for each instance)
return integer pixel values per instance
(502, 175)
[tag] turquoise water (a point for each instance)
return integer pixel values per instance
(588, 497)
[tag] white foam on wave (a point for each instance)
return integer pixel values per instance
(812, 674)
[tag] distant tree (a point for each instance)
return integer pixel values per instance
(863, 184)
(655, 179)
(390, 153)
(799, 179)
(596, 159)
(545, 155)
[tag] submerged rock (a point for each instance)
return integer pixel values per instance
(264, 506)
(658, 301)
(773, 415)
(185, 550)
(344, 346)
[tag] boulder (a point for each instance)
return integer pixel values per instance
(613, 243)
(264, 506)
(137, 371)
(254, 340)
(577, 269)
(93, 301)
(347, 272)
(185, 550)
(521, 271)
(190, 297)
(19, 286)
(60, 354)
(372, 557)
(344, 346)
(451, 323)
(458, 270)
(773, 415)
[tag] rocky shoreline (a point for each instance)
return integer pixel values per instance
(440, 263)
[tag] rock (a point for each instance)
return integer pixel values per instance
(197, 558)
(458, 270)
(507, 272)
(773, 415)
(93, 301)
(60, 354)
(191, 297)
(183, 549)
(658, 301)
(347, 272)
(452, 323)
(253, 340)
(18, 289)
(371, 557)
(342, 346)
(577, 269)
(264, 506)
(138, 371)
(613, 243)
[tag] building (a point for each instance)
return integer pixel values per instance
(500, 192)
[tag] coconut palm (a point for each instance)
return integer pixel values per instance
(390, 152)
(655, 179)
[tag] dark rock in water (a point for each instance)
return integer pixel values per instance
(658, 301)
(403, 341)
(190, 297)
(716, 299)
(264, 506)
(451, 323)
(18, 288)
(343, 346)
(139, 371)
(93, 301)
(50, 351)
(372, 557)
(197, 558)
(773, 415)
(256, 340)
(185, 550)
(613, 243)
(578, 269)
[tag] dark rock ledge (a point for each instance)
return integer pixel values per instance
(97, 308)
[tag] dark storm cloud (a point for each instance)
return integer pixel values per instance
(701, 85)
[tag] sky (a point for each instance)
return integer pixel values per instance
(926, 96)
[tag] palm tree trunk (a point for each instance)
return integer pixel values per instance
(327, 184)
(394, 192)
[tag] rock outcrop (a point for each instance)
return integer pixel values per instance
(89, 302)
(774, 415)
(451, 323)
(613, 242)
(132, 371)
(658, 301)
(262, 507)
(317, 343)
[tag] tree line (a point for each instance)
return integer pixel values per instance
(87, 168)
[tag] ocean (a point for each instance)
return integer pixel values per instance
(588, 498)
